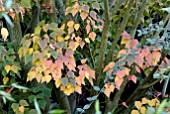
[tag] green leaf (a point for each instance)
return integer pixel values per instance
(58, 111)
(26, 3)
(23, 103)
(18, 86)
(15, 106)
(37, 106)
(42, 103)
(87, 106)
(46, 92)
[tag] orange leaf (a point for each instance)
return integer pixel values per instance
(92, 35)
(70, 23)
(118, 82)
(144, 100)
(108, 89)
(110, 65)
(21, 109)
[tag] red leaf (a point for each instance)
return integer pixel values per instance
(133, 78)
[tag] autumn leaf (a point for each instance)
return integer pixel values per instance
(21, 109)
(76, 26)
(46, 79)
(83, 61)
(152, 102)
(93, 14)
(143, 110)
(7, 68)
(88, 28)
(78, 89)
(135, 112)
(144, 100)
(58, 83)
(87, 40)
(133, 78)
(4, 33)
(5, 80)
(108, 89)
(70, 23)
(83, 15)
(118, 82)
(92, 35)
(138, 104)
(107, 67)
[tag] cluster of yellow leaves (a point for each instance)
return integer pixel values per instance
(141, 105)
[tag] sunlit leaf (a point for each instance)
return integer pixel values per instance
(4, 33)
(92, 35)
(5, 80)
(138, 104)
(7, 68)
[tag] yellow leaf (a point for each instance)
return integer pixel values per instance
(87, 40)
(14, 68)
(143, 110)
(138, 104)
(4, 33)
(125, 41)
(134, 112)
(83, 61)
(144, 100)
(60, 39)
(46, 79)
(76, 26)
(31, 75)
(87, 75)
(21, 109)
(152, 102)
(70, 24)
(67, 37)
(58, 83)
(5, 80)
(63, 26)
(7, 68)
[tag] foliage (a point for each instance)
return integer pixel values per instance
(51, 51)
